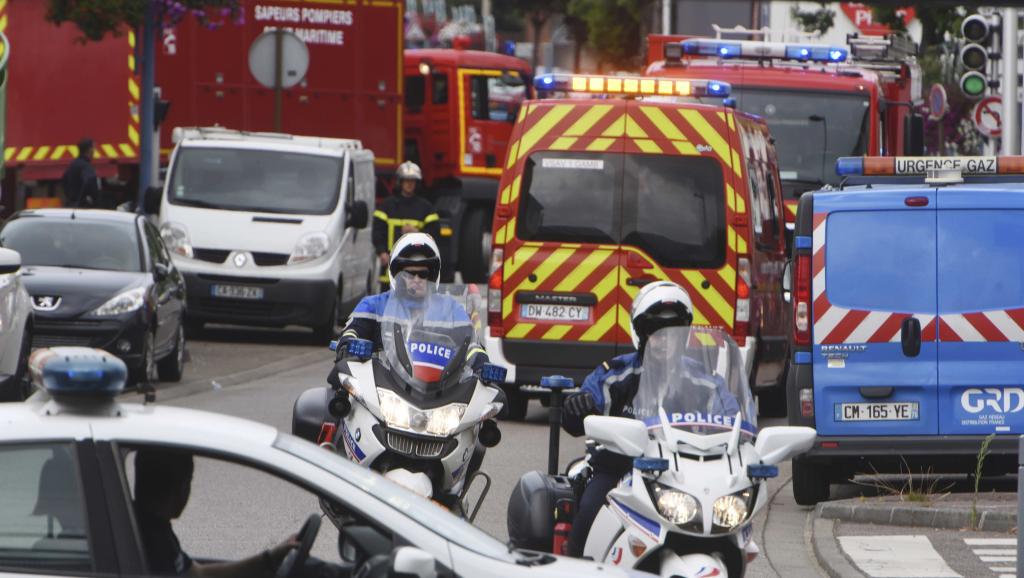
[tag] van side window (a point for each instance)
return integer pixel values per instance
(439, 88)
(761, 182)
(350, 183)
(415, 88)
(478, 96)
(773, 204)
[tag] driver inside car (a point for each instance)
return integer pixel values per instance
(163, 485)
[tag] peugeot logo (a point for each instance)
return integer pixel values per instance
(240, 260)
(45, 302)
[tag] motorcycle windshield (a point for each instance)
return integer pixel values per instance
(696, 375)
(425, 336)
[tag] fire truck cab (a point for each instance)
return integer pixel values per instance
(821, 102)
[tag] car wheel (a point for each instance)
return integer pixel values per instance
(146, 371)
(518, 404)
(323, 334)
(193, 327)
(475, 246)
(172, 367)
(810, 482)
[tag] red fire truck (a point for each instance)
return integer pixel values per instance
(818, 102)
(449, 110)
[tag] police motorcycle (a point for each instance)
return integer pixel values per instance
(414, 411)
(700, 467)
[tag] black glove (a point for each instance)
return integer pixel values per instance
(580, 405)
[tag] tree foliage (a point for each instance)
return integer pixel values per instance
(820, 20)
(536, 13)
(97, 18)
(615, 29)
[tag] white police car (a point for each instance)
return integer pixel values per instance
(908, 298)
(69, 499)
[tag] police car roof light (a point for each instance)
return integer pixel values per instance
(557, 382)
(630, 85)
(79, 372)
(927, 166)
(761, 50)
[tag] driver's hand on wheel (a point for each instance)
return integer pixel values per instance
(277, 553)
(581, 404)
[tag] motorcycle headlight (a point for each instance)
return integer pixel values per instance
(731, 511)
(176, 239)
(400, 414)
(309, 247)
(677, 507)
(126, 302)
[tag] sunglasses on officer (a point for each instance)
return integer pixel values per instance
(420, 273)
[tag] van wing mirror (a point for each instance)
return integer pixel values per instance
(358, 215)
(151, 200)
(10, 261)
(410, 562)
(621, 435)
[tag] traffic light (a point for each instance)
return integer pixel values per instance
(976, 53)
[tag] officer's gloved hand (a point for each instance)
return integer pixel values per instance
(580, 405)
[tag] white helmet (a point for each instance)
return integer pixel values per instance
(415, 249)
(659, 304)
(409, 171)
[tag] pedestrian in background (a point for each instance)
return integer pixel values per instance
(81, 185)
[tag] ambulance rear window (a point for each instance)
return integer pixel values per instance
(980, 259)
(571, 197)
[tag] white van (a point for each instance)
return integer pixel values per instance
(268, 229)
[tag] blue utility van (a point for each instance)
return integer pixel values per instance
(908, 319)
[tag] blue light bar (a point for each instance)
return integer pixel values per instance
(492, 373)
(849, 166)
(816, 53)
(556, 382)
(650, 464)
(80, 372)
(637, 86)
(361, 349)
(759, 50)
(712, 48)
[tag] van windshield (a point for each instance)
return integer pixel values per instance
(255, 181)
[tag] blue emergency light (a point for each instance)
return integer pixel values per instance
(816, 53)
(80, 372)
(492, 373)
(702, 47)
(557, 382)
(849, 166)
(361, 349)
(650, 464)
(756, 50)
(762, 471)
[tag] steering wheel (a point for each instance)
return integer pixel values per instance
(293, 562)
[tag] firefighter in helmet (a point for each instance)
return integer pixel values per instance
(403, 213)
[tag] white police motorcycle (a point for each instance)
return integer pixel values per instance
(414, 410)
(699, 474)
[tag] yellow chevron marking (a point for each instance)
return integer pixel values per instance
(126, 150)
(522, 255)
(731, 238)
(9, 153)
(519, 330)
(597, 330)
(588, 120)
(583, 270)
(600, 144)
(499, 235)
(24, 153)
(728, 274)
(563, 143)
(133, 89)
(41, 153)
(711, 136)
(514, 194)
(664, 124)
(647, 146)
(109, 151)
(523, 112)
(557, 332)
(3, 23)
(131, 39)
(3, 4)
(730, 197)
(721, 116)
(543, 126)
(505, 193)
(58, 152)
(550, 264)
(74, 150)
(736, 166)
(513, 152)
(732, 124)
(741, 245)
(791, 208)
(685, 148)
(616, 128)
(633, 129)
(623, 317)
(606, 285)
(741, 204)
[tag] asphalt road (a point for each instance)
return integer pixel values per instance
(234, 513)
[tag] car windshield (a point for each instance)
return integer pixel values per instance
(254, 180)
(78, 243)
(694, 378)
(424, 512)
(811, 130)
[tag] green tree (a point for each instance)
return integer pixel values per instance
(536, 13)
(97, 18)
(820, 20)
(615, 29)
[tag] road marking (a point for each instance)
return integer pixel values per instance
(991, 541)
(994, 555)
(896, 556)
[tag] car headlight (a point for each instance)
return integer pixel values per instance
(309, 247)
(400, 414)
(677, 507)
(731, 511)
(176, 238)
(126, 302)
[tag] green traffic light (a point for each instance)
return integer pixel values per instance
(973, 85)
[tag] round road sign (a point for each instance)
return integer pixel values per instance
(294, 58)
(937, 102)
(988, 116)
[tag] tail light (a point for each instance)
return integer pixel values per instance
(802, 301)
(742, 299)
(494, 293)
(327, 432)
(807, 402)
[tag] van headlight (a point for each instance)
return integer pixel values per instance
(400, 414)
(731, 511)
(126, 302)
(176, 238)
(309, 247)
(677, 507)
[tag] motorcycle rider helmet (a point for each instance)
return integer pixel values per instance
(409, 171)
(657, 305)
(415, 249)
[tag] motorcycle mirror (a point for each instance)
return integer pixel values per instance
(777, 444)
(620, 435)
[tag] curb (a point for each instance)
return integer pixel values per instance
(827, 551)
(927, 517)
(197, 386)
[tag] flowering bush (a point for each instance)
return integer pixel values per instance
(97, 18)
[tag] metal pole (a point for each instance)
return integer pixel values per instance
(278, 66)
(146, 149)
(666, 16)
(555, 424)
(1008, 85)
(1020, 503)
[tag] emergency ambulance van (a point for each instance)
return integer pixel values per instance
(908, 335)
(618, 182)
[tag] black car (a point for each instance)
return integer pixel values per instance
(102, 279)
